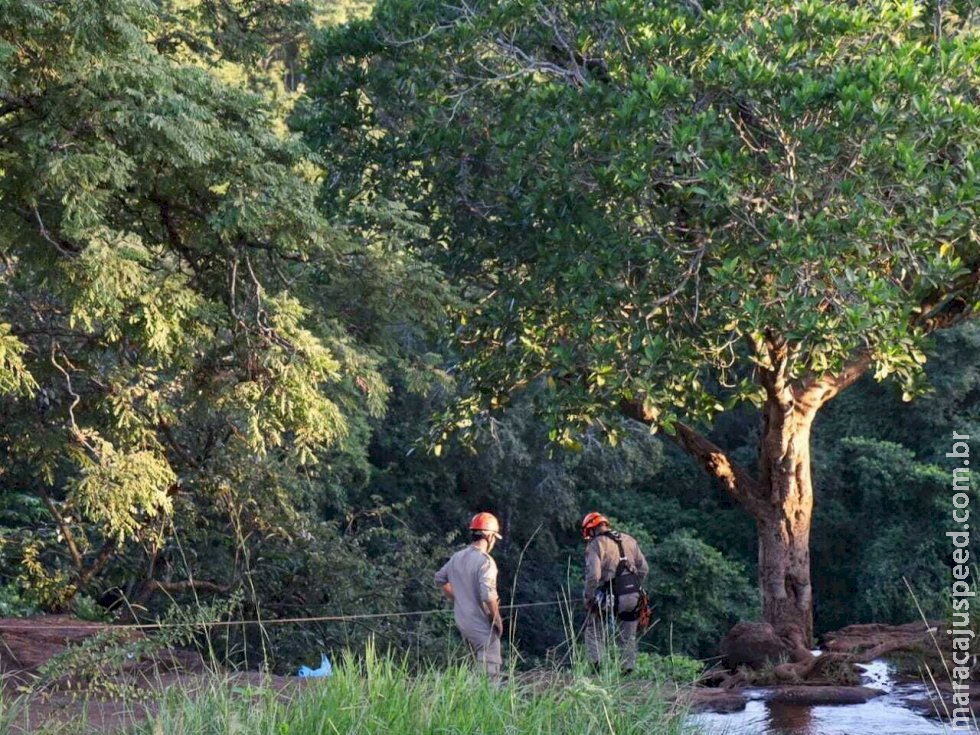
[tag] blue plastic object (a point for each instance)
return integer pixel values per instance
(325, 668)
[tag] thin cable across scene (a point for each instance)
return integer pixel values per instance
(274, 621)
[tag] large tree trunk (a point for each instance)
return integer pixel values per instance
(784, 572)
(784, 564)
(783, 517)
(780, 497)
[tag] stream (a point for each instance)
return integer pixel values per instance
(884, 715)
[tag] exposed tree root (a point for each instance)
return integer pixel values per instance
(856, 644)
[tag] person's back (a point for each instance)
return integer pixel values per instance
(602, 560)
(473, 575)
(616, 568)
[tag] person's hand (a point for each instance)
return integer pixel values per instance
(498, 625)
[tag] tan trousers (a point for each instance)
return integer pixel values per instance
(486, 651)
(596, 632)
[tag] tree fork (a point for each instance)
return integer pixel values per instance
(781, 501)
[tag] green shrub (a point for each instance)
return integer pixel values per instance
(696, 593)
(12, 605)
(85, 608)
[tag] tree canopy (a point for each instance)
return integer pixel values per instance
(661, 211)
(188, 324)
(638, 195)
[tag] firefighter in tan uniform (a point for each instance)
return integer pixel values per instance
(469, 579)
(615, 570)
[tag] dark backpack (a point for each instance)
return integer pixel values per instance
(625, 581)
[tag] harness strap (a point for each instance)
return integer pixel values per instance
(625, 580)
(623, 561)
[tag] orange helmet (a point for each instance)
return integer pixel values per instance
(486, 522)
(590, 522)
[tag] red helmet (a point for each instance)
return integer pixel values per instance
(486, 522)
(592, 521)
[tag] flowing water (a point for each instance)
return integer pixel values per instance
(884, 715)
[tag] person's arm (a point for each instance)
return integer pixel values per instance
(593, 573)
(496, 621)
(488, 594)
(642, 569)
(442, 580)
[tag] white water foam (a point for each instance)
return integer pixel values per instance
(877, 675)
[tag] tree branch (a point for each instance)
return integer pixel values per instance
(816, 391)
(736, 480)
(940, 311)
(76, 556)
(65, 247)
(773, 379)
(97, 565)
(951, 306)
(85, 574)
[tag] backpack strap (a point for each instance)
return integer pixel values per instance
(624, 566)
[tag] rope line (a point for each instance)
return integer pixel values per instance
(274, 621)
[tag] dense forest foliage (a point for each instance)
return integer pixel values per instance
(253, 257)
(663, 212)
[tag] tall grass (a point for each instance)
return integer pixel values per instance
(939, 701)
(10, 709)
(368, 693)
(379, 694)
